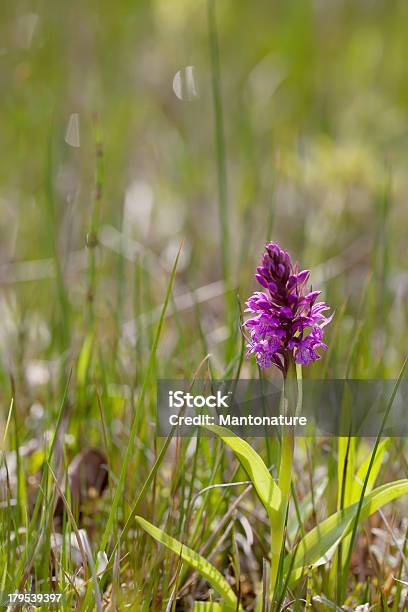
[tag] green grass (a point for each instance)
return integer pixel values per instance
(298, 135)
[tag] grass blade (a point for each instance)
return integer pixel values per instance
(146, 382)
(193, 559)
(266, 488)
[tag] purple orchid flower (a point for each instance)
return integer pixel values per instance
(286, 321)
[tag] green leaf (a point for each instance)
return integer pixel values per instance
(317, 547)
(268, 491)
(196, 561)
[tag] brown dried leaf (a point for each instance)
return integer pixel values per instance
(88, 478)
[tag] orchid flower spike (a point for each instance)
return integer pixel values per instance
(285, 320)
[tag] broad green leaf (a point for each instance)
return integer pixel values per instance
(319, 544)
(268, 491)
(196, 561)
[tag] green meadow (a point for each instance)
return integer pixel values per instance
(150, 150)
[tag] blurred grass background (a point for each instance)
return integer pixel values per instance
(315, 109)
